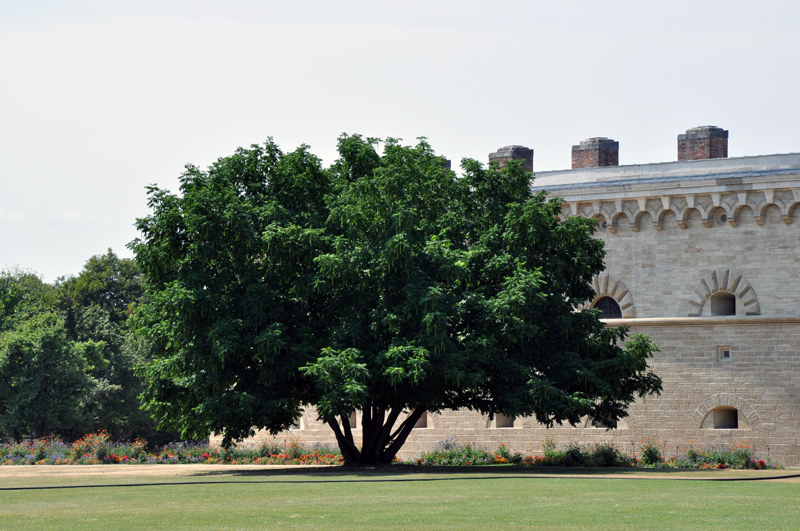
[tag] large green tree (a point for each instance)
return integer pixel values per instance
(383, 284)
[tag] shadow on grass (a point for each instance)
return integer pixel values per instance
(401, 473)
(439, 473)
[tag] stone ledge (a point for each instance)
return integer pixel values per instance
(704, 321)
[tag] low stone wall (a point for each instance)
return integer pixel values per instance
(760, 379)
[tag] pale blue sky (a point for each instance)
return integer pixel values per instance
(99, 98)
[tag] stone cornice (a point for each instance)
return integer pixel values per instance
(778, 166)
(718, 190)
(713, 207)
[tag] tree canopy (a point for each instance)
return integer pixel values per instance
(68, 355)
(383, 284)
(43, 374)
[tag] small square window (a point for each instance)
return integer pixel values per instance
(724, 353)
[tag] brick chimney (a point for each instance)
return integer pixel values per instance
(705, 142)
(507, 153)
(595, 152)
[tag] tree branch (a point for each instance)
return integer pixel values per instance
(402, 434)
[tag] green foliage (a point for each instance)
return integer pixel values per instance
(96, 305)
(605, 454)
(68, 355)
(549, 446)
(43, 376)
(651, 452)
(599, 455)
(229, 275)
(383, 284)
(106, 282)
(739, 456)
(574, 455)
(450, 453)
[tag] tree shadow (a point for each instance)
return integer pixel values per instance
(401, 473)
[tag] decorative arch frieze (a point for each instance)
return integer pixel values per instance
(613, 221)
(726, 400)
(788, 206)
(729, 204)
(760, 214)
(606, 285)
(726, 281)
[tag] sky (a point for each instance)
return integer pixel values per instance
(101, 98)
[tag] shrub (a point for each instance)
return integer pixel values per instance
(269, 447)
(449, 452)
(90, 446)
(651, 452)
(138, 449)
(549, 446)
(504, 455)
(573, 456)
(605, 454)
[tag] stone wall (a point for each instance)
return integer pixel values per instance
(663, 268)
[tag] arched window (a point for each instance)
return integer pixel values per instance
(724, 418)
(609, 307)
(723, 304)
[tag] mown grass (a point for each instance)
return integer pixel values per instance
(495, 498)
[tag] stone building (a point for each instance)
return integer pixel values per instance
(703, 257)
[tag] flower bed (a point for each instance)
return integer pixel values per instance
(740, 456)
(97, 449)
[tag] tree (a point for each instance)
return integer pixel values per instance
(43, 374)
(68, 355)
(108, 282)
(383, 284)
(96, 305)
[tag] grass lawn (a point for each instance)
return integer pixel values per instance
(489, 498)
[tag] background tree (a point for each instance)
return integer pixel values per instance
(384, 285)
(68, 356)
(43, 374)
(96, 306)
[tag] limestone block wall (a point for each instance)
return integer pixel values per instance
(761, 379)
(663, 268)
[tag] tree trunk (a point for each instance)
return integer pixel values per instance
(380, 443)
